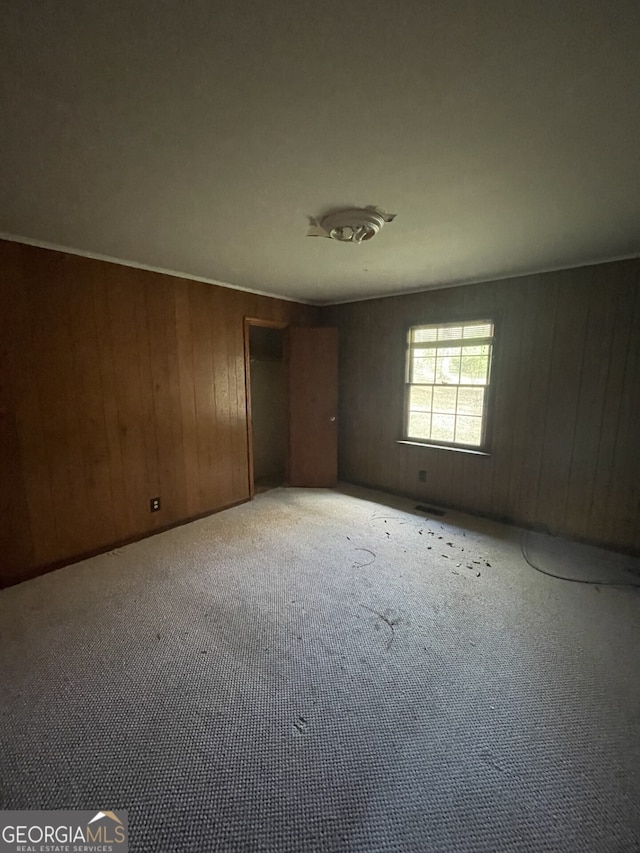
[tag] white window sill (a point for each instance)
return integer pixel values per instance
(443, 447)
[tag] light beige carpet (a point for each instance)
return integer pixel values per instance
(330, 671)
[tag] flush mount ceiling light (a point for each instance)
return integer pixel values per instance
(355, 225)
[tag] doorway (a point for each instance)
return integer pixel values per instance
(267, 404)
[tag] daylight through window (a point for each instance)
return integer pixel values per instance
(448, 371)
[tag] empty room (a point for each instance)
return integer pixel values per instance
(319, 426)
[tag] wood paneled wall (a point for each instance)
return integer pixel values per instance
(565, 451)
(116, 385)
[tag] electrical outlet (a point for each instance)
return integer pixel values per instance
(155, 504)
(422, 476)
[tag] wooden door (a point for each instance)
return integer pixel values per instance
(313, 407)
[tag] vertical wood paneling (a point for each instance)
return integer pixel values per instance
(16, 540)
(519, 335)
(538, 349)
(188, 419)
(160, 315)
(99, 523)
(623, 507)
(116, 385)
(222, 397)
(386, 380)
(563, 389)
(354, 410)
(238, 407)
(605, 487)
(591, 397)
(206, 416)
(56, 385)
(507, 384)
(95, 278)
(146, 399)
(127, 389)
(564, 452)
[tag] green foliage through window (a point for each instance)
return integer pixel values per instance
(448, 370)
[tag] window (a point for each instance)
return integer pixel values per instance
(448, 371)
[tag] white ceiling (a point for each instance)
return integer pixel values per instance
(198, 137)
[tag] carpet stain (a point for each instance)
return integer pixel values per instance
(390, 622)
(301, 725)
(486, 756)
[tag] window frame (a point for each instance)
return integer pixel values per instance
(482, 449)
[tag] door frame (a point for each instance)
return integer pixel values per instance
(269, 324)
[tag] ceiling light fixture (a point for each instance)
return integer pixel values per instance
(354, 225)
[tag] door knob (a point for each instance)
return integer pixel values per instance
(332, 418)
